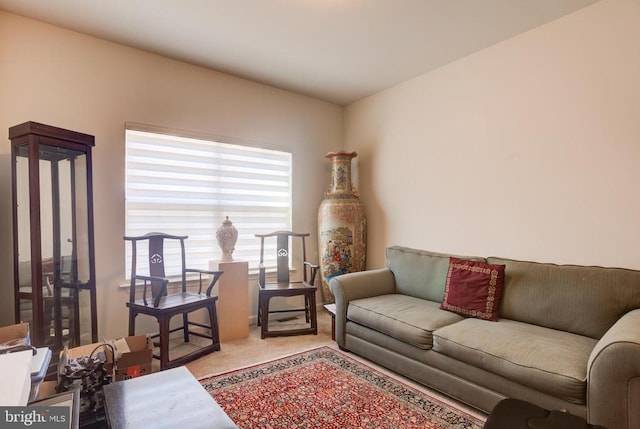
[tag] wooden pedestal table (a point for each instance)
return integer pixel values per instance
(166, 399)
(331, 309)
(233, 299)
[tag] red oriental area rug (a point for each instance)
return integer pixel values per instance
(325, 388)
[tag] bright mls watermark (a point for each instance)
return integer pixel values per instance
(35, 417)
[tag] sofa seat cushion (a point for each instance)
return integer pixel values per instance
(554, 362)
(405, 318)
(551, 361)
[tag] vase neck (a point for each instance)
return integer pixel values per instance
(341, 172)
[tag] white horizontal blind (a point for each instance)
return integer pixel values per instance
(187, 186)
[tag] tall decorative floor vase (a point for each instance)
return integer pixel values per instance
(342, 225)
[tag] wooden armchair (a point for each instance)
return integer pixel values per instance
(284, 287)
(155, 300)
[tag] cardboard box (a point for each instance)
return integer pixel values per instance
(14, 335)
(87, 350)
(134, 356)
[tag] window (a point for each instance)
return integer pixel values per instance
(187, 186)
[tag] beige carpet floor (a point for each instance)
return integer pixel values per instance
(244, 352)
(253, 350)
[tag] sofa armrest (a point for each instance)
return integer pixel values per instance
(613, 376)
(362, 284)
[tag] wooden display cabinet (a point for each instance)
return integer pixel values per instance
(53, 240)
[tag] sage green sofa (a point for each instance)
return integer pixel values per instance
(567, 336)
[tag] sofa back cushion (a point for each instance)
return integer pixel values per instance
(420, 273)
(580, 299)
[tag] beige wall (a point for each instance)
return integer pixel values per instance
(528, 149)
(85, 84)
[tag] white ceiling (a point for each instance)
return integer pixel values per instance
(335, 50)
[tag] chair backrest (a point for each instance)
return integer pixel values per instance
(155, 260)
(282, 252)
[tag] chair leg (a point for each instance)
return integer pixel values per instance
(312, 311)
(259, 308)
(132, 322)
(264, 312)
(307, 312)
(164, 342)
(213, 320)
(185, 327)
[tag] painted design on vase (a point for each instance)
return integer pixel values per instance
(337, 242)
(227, 235)
(341, 178)
(341, 225)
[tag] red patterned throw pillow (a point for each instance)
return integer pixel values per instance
(473, 288)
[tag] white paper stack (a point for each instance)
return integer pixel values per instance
(15, 373)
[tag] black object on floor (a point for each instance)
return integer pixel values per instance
(516, 414)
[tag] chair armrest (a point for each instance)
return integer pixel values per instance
(313, 271)
(363, 284)
(157, 294)
(613, 375)
(216, 276)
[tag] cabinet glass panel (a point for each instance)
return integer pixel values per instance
(24, 300)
